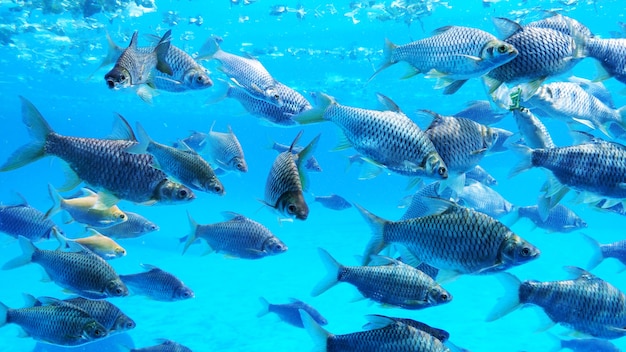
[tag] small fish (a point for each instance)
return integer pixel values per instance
(135, 226)
(80, 271)
(334, 202)
(453, 54)
(24, 220)
(532, 129)
(185, 165)
(195, 141)
(481, 198)
(157, 284)
(481, 175)
(224, 151)
(311, 162)
(584, 345)
(99, 244)
(439, 334)
(133, 67)
(392, 283)
(165, 346)
(238, 236)
(286, 181)
(92, 209)
(57, 323)
(390, 335)
(420, 204)
(560, 218)
(289, 312)
(482, 112)
(601, 252)
(586, 304)
(101, 163)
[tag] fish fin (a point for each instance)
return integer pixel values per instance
(161, 51)
(106, 200)
(411, 72)
(376, 321)
(544, 322)
(315, 114)
(113, 53)
(388, 103)
(265, 307)
(377, 242)
(148, 267)
(57, 201)
(332, 268)
(209, 49)
(192, 234)
(453, 86)
(414, 182)
(38, 129)
(584, 122)
(369, 171)
(144, 141)
(603, 74)
(62, 240)
(343, 143)
(526, 163)
(532, 87)
(121, 129)
(506, 27)
(408, 257)
(28, 249)
(303, 155)
(381, 260)
(388, 50)
(318, 334)
(447, 276)
(30, 301)
(146, 93)
(231, 215)
(454, 182)
(492, 85)
(510, 301)
(71, 178)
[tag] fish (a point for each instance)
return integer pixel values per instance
(134, 67)
(158, 285)
(225, 151)
(586, 304)
(560, 218)
(570, 103)
(311, 163)
(597, 89)
(92, 209)
(165, 346)
(482, 112)
(293, 103)
(390, 335)
(420, 204)
(56, 323)
(584, 345)
(135, 226)
(79, 271)
(454, 239)
(245, 72)
(104, 312)
(287, 180)
(289, 312)
(601, 251)
(97, 243)
(238, 236)
(186, 165)
(101, 163)
(535, 133)
(543, 52)
(484, 199)
(334, 202)
(500, 144)
(381, 137)
(439, 334)
(391, 283)
(24, 220)
(481, 175)
(453, 54)
(610, 55)
(196, 141)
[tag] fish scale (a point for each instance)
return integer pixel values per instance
(186, 73)
(611, 53)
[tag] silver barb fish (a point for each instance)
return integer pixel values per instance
(386, 138)
(79, 271)
(333, 201)
(390, 335)
(24, 220)
(586, 304)
(224, 151)
(484, 199)
(389, 282)
(290, 312)
(134, 66)
(454, 239)
(481, 111)
(453, 54)
(583, 345)
(56, 323)
(238, 236)
(246, 72)
(293, 104)
(165, 346)
(601, 251)
(311, 163)
(157, 284)
(560, 218)
(135, 226)
(187, 166)
(101, 163)
(481, 175)
(287, 180)
(535, 133)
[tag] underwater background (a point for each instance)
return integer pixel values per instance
(49, 58)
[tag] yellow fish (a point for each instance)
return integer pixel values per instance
(93, 209)
(99, 244)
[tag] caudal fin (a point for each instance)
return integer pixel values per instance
(332, 270)
(388, 50)
(38, 129)
(377, 243)
(192, 234)
(510, 301)
(28, 249)
(317, 333)
(4, 312)
(57, 200)
(597, 256)
(265, 307)
(315, 114)
(143, 139)
(526, 163)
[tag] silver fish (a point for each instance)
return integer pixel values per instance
(387, 138)
(586, 304)
(286, 181)
(101, 163)
(481, 198)
(535, 133)
(453, 54)
(157, 284)
(311, 163)
(481, 175)
(290, 312)
(560, 218)
(165, 346)
(224, 151)
(333, 201)
(24, 220)
(482, 112)
(135, 226)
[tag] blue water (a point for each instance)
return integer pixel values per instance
(51, 63)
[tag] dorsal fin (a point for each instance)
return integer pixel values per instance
(122, 130)
(388, 103)
(133, 40)
(293, 144)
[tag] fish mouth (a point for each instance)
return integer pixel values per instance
(111, 83)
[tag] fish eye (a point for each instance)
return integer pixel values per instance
(441, 171)
(110, 84)
(291, 208)
(130, 325)
(118, 291)
(217, 189)
(444, 297)
(525, 251)
(502, 49)
(182, 193)
(97, 332)
(122, 216)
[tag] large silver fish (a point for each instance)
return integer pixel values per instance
(287, 180)
(387, 138)
(224, 150)
(101, 163)
(455, 239)
(586, 304)
(453, 54)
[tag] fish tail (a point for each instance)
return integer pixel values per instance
(332, 268)
(62, 239)
(57, 200)
(526, 163)
(510, 301)
(28, 249)
(161, 51)
(315, 114)
(597, 256)
(4, 314)
(317, 333)
(144, 141)
(209, 49)
(38, 129)
(377, 243)
(622, 117)
(265, 307)
(192, 234)
(388, 50)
